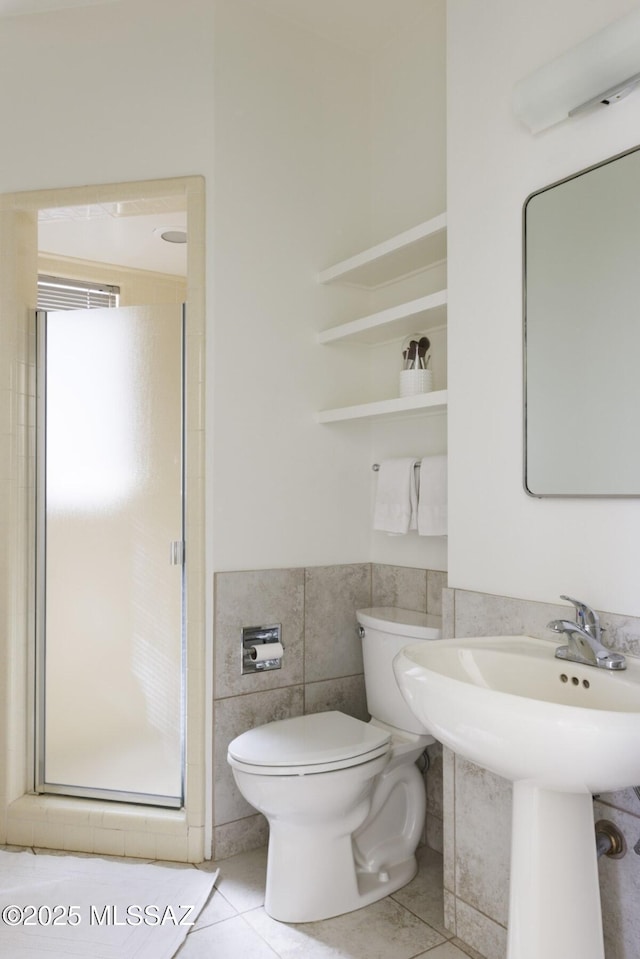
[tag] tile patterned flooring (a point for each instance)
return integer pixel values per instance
(406, 925)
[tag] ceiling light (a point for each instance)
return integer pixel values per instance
(171, 235)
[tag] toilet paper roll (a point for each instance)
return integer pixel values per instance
(264, 651)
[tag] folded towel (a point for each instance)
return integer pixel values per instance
(396, 496)
(432, 502)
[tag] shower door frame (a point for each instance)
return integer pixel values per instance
(178, 558)
(74, 823)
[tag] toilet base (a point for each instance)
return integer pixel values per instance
(342, 890)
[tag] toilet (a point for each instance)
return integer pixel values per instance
(344, 799)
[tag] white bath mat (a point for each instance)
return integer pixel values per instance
(59, 907)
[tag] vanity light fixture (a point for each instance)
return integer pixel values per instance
(601, 70)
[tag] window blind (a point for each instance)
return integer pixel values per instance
(56, 293)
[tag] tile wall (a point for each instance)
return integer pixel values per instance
(321, 667)
(477, 804)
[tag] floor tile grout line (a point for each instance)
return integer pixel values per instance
(446, 936)
(257, 933)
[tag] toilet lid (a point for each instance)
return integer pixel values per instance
(313, 740)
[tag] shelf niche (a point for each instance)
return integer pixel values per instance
(408, 253)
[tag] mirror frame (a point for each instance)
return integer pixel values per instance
(525, 458)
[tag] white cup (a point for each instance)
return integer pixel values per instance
(415, 381)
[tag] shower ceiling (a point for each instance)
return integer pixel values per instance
(125, 234)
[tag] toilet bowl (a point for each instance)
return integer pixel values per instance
(344, 799)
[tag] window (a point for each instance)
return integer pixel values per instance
(56, 293)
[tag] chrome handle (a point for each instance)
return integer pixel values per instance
(176, 552)
(585, 616)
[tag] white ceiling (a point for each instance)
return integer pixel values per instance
(131, 241)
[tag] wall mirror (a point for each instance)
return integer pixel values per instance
(582, 333)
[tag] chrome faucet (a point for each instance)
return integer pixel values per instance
(585, 639)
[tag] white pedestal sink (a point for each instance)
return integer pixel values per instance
(560, 732)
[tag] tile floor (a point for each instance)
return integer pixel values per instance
(406, 925)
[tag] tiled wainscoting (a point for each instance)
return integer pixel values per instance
(321, 667)
(477, 804)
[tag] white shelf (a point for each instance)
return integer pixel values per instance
(435, 402)
(406, 253)
(424, 313)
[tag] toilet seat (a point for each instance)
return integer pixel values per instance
(304, 745)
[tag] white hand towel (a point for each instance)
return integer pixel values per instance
(432, 501)
(396, 496)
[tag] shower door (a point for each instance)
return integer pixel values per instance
(110, 553)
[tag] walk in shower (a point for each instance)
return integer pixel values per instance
(57, 739)
(110, 554)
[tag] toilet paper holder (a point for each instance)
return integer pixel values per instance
(261, 648)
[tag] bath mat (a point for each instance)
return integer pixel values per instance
(67, 907)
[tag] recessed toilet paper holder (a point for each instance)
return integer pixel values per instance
(261, 648)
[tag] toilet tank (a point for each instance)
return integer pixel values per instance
(385, 630)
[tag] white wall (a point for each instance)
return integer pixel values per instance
(408, 185)
(501, 540)
(106, 93)
(317, 152)
(408, 110)
(291, 195)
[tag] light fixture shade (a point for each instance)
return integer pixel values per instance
(586, 74)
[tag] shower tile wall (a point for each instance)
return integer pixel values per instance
(321, 667)
(477, 804)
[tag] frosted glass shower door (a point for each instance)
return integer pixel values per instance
(110, 569)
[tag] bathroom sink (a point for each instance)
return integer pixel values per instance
(559, 731)
(506, 703)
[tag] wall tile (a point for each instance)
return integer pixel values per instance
(258, 598)
(434, 780)
(332, 596)
(436, 582)
(620, 889)
(229, 839)
(434, 833)
(448, 600)
(449, 904)
(622, 633)
(433, 783)
(489, 938)
(346, 694)
(234, 716)
(449, 819)
(481, 614)
(400, 586)
(483, 840)
(624, 799)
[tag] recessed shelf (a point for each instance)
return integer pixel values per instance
(406, 253)
(435, 402)
(424, 313)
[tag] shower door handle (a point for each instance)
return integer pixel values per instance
(176, 552)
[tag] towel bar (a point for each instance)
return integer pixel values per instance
(376, 467)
